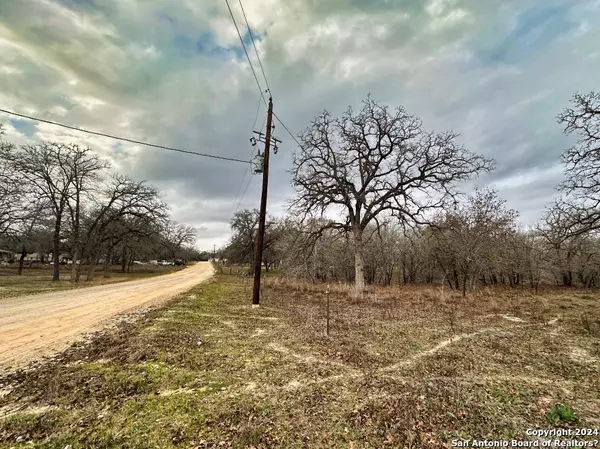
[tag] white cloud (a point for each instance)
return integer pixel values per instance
(133, 68)
(88, 102)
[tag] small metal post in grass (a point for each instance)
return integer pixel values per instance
(327, 294)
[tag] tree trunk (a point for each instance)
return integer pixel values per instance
(91, 268)
(76, 237)
(359, 264)
(130, 262)
(106, 264)
(389, 274)
(56, 249)
(21, 260)
(124, 259)
(464, 289)
(78, 268)
(531, 280)
(74, 277)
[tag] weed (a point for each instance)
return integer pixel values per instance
(561, 414)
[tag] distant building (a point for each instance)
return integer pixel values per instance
(36, 256)
(64, 257)
(6, 255)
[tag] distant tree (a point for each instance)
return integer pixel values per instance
(12, 193)
(468, 234)
(122, 208)
(86, 171)
(582, 164)
(244, 225)
(557, 231)
(377, 163)
(242, 247)
(51, 172)
(31, 231)
(175, 236)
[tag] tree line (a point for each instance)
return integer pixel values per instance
(378, 201)
(62, 198)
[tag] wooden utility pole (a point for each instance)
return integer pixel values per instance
(263, 211)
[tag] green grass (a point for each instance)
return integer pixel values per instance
(561, 414)
(39, 280)
(210, 371)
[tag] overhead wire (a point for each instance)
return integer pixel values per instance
(254, 45)
(124, 139)
(287, 129)
(234, 210)
(243, 195)
(235, 199)
(246, 52)
(259, 61)
(256, 118)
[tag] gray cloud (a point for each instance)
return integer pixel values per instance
(173, 73)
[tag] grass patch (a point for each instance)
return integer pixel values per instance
(561, 414)
(403, 367)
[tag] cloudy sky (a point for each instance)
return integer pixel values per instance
(173, 72)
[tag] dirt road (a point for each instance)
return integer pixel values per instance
(40, 325)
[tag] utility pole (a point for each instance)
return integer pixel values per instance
(215, 253)
(263, 211)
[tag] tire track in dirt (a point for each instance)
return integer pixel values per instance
(388, 371)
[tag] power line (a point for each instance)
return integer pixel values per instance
(240, 187)
(246, 52)
(256, 118)
(255, 49)
(246, 171)
(263, 70)
(259, 61)
(286, 128)
(243, 195)
(124, 139)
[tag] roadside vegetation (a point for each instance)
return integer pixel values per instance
(61, 203)
(379, 201)
(404, 366)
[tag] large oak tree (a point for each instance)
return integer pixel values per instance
(377, 163)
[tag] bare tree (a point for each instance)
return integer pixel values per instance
(557, 230)
(468, 235)
(12, 194)
(175, 236)
(243, 241)
(48, 171)
(29, 226)
(582, 164)
(377, 163)
(240, 249)
(86, 169)
(120, 202)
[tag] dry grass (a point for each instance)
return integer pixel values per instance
(39, 280)
(403, 367)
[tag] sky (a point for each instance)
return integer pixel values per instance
(173, 72)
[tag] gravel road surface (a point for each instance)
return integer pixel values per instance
(41, 325)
